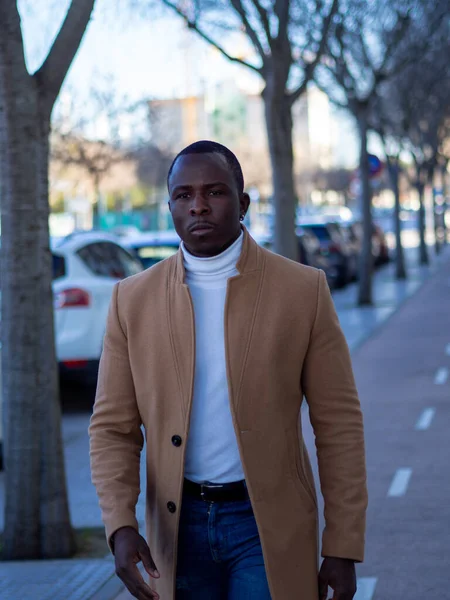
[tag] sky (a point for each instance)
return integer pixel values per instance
(147, 57)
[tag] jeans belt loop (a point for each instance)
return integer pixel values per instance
(202, 491)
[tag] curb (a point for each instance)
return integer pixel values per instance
(433, 271)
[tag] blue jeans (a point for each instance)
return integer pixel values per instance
(219, 552)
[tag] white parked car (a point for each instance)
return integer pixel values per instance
(86, 266)
(151, 247)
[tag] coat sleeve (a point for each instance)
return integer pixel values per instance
(335, 413)
(116, 438)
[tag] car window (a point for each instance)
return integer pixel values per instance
(107, 259)
(152, 254)
(320, 231)
(156, 252)
(130, 264)
(59, 266)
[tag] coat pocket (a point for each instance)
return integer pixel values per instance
(297, 470)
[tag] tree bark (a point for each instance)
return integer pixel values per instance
(400, 268)
(436, 216)
(37, 522)
(21, 271)
(56, 534)
(366, 260)
(444, 176)
(423, 250)
(278, 113)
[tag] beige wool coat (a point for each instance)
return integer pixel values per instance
(283, 342)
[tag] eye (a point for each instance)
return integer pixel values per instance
(182, 196)
(216, 192)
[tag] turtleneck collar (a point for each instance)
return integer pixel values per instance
(221, 266)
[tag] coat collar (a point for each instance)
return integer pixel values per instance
(249, 261)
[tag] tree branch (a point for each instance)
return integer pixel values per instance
(53, 71)
(311, 67)
(264, 19)
(330, 97)
(192, 25)
(366, 56)
(11, 40)
(401, 28)
(282, 9)
(238, 7)
(415, 52)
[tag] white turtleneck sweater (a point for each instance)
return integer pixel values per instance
(212, 452)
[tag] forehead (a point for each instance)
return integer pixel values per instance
(200, 169)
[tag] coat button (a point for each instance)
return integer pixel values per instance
(177, 441)
(171, 507)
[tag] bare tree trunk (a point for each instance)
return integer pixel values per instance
(37, 523)
(400, 268)
(279, 132)
(37, 520)
(423, 250)
(444, 176)
(436, 216)
(96, 209)
(420, 187)
(366, 261)
(57, 538)
(21, 271)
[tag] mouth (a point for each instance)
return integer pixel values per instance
(202, 227)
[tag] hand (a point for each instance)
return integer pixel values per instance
(130, 548)
(340, 575)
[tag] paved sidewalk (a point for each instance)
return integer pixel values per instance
(403, 378)
(94, 580)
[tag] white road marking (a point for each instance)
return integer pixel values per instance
(400, 482)
(425, 419)
(441, 376)
(447, 350)
(366, 588)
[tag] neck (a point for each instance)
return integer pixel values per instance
(212, 268)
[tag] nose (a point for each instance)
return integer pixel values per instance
(199, 206)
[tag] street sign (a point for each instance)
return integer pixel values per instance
(375, 165)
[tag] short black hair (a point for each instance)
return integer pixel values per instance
(208, 147)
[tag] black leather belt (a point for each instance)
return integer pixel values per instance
(217, 492)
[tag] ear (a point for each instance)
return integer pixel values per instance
(170, 206)
(244, 203)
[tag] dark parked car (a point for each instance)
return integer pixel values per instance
(380, 248)
(380, 242)
(335, 248)
(312, 254)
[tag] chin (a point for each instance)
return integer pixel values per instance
(204, 245)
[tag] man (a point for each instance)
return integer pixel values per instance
(212, 351)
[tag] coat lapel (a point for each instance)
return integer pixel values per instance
(182, 332)
(241, 307)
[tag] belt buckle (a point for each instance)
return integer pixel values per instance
(208, 486)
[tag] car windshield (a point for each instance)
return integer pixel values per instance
(150, 255)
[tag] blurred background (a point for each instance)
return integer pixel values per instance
(339, 113)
